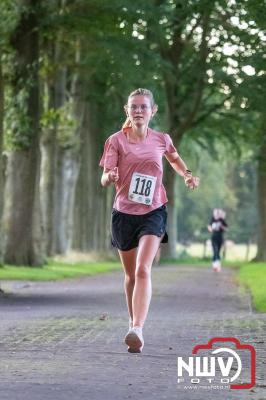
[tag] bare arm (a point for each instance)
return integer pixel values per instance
(224, 227)
(179, 165)
(209, 228)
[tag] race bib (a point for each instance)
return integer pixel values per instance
(142, 188)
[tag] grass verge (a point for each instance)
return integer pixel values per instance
(253, 276)
(54, 270)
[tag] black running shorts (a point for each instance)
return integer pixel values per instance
(127, 229)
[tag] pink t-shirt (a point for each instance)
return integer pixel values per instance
(137, 162)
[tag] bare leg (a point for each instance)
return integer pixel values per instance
(148, 247)
(128, 259)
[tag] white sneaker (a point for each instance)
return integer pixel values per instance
(130, 324)
(216, 266)
(134, 340)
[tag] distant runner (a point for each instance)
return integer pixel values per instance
(217, 226)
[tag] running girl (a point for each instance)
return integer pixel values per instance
(132, 161)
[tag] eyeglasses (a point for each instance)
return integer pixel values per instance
(135, 107)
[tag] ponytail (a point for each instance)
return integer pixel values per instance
(127, 124)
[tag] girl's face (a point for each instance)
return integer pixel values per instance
(216, 213)
(140, 110)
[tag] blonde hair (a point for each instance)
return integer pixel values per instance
(138, 92)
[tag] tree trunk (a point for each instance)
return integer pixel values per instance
(68, 166)
(247, 250)
(93, 203)
(110, 193)
(98, 196)
(22, 243)
(181, 110)
(84, 213)
(1, 160)
(21, 214)
(169, 249)
(56, 90)
(261, 190)
(47, 187)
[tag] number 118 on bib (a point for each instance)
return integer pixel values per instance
(142, 188)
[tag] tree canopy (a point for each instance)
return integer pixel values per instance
(67, 68)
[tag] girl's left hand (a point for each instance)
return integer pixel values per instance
(192, 182)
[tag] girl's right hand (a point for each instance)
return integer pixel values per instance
(113, 175)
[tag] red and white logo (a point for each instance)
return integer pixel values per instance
(222, 361)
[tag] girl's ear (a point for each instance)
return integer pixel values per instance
(154, 109)
(125, 109)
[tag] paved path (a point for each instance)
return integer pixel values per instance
(62, 341)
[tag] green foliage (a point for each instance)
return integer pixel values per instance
(20, 68)
(226, 183)
(10, 11)
(17, 123)
(66, 126)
